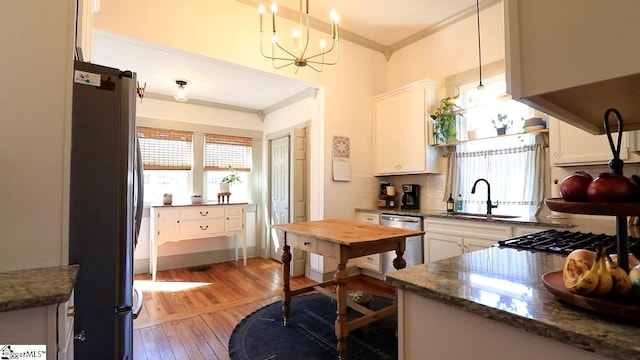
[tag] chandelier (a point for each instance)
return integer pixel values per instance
(281, 57)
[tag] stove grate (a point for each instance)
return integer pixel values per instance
(564, 242)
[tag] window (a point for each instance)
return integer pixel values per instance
(222, 152)
(513, 165)
(167, 157)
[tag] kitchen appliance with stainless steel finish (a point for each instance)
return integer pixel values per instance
(105, 210)
(413, 254)
(410, 196)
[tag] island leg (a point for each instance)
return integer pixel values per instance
(342, 321)
(399, 262)
(286, 270)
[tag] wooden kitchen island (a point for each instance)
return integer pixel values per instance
(340, 240)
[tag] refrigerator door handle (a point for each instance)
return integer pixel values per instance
(140, 198)
(138, 307)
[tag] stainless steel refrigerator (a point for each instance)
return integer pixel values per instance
(105, 210)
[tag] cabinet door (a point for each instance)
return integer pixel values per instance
(401, 131)
(412, 140)
(235, 218)
(442, 246)
(471, 244)
(386, 132)
(570, 145)
(167, 223)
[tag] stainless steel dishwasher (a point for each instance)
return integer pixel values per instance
(413, 254)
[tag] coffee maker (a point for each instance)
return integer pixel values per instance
(410, 196)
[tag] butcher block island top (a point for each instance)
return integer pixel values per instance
(341, 240)
(347, 232)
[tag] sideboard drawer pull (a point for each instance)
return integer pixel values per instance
(204, 227)
(204, 213)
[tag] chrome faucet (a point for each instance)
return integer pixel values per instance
(489, 204)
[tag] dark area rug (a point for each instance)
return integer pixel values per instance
(310, 334)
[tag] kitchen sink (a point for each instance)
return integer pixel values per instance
(478, 216)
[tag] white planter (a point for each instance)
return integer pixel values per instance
(224, 187)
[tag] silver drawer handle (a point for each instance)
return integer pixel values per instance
(205, 213)
(204, 227)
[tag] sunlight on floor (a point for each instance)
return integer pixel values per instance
(168, 286)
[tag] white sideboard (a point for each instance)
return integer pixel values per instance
(177, 223)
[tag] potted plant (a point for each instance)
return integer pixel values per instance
(230, 179)
(444, 120)
(501, 124)
(167, 198)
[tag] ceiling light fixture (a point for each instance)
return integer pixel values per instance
(298, 57)
(181, 93)
(480, 86)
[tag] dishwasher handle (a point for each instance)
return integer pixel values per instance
(407, 219)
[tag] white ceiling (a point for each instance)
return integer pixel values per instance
(385, 22)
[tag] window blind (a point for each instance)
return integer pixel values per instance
(163, 149)
(222, 151)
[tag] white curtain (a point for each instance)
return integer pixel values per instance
(516, 175)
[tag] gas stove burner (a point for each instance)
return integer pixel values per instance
(564, 242)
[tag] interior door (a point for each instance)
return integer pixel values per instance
(279, 192)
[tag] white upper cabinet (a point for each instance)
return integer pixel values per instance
(402, 129)
(575, 59)
(569, 145)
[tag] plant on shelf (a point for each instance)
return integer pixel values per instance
(230, 179)
(167, 198)
(501, 124)
(444, 120)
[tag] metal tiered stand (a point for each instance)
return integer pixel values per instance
(619, 210)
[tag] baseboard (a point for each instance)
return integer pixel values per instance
(141, 266)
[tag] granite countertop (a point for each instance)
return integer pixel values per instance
(541, 221)
(22, 289)
(505, 285)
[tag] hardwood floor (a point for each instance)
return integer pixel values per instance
(190, 313)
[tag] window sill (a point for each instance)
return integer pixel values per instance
(541, 131)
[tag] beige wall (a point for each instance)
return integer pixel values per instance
(228, 30)
(450, 51)
(36, 43)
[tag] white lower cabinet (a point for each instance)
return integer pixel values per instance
(50, 325)
(448, 238)
(177, 223)
(370, 262)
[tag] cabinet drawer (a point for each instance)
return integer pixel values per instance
(303, 243)
(201, 212)
(202, 228)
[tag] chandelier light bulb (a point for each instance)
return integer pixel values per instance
(274, 8)
(334, 16)
(296, 33)
(274, 38)
(323, 44)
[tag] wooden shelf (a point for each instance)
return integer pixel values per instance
(534, 132)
